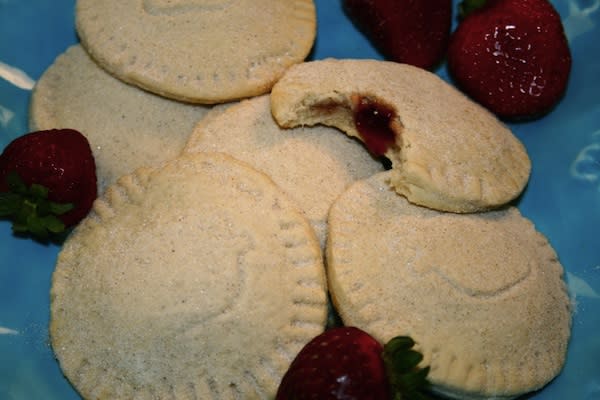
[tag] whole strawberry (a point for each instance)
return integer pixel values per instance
(413, 32)
(511, 56)
(47, 181)
(348, 363)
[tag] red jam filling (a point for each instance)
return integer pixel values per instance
(372, 120)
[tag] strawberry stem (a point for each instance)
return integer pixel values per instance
(30, 210)
(466, 7)
(407, 380)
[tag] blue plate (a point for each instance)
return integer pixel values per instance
(563, 196)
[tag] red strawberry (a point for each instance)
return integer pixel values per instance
(347, 363)
(47, 181)
(511, 56)
(407, 31)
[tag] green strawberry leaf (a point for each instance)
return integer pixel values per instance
(15, 183)
(30, 210)
(37, 191)
(407, 380)
(9, 203)
(466, 7)
(60, 208)
(36, 227)
(412, 359)
(53, 224)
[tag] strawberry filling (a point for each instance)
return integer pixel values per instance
(373, 121)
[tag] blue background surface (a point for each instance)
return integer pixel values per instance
(562, 199)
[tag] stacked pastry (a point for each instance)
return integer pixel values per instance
(432, 248)
(232, 203)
